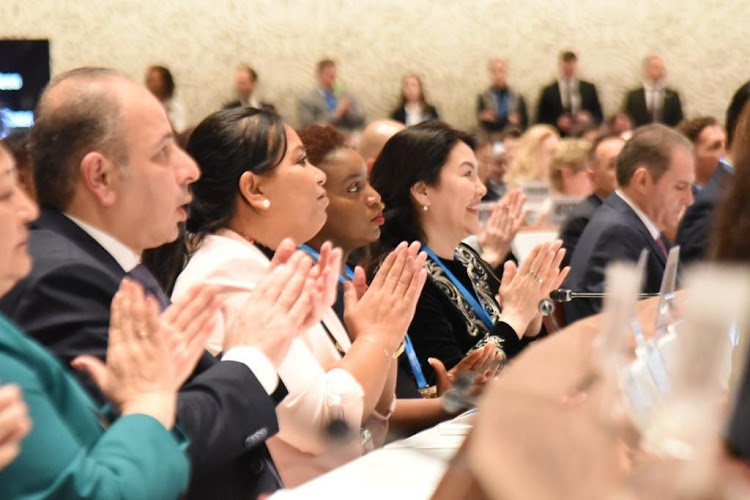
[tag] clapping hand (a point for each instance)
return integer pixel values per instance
(142, 374)
(386, 308)
(14, 423)
(482, 363)
(503, 225)
(523, 288)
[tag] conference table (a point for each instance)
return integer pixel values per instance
(414, 467)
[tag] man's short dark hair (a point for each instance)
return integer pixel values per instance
(325, 63)
(568, 56)
(693, 127)
(651, 147)
(66, 128)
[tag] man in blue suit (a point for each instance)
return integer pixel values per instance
(655, 171)
(112, 182)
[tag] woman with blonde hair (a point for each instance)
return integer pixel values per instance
(568, 173)
(535, 150)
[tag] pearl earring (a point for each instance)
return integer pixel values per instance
(265, 203)
(424, 207)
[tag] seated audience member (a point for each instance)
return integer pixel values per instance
(654, 102)
(413, 107)
(245, 83)
(709, 141)
(569, 104)
(491, 164)
(533, 155)
(14, 423)
(256, 189)
(354, 216)
(654, 171)
(160, 83)
(374, 137)
(602, 159)
(500, 107)
(696, 226)
(328, 102)
(18, 144)
(569, 173)
(73, 451)
(620, 124)
(427, 175)
(113, 182)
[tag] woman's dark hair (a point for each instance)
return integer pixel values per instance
(415, 154)
(167, 78)
(422, 98)
(320, 141)
(730, 240)
(225, 145)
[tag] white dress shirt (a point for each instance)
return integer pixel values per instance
(652, 229)
(251, 357)
(654, 93)
(574, 93)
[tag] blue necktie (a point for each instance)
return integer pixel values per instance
(330, 100)
(142, 275)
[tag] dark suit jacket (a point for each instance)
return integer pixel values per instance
(550, 105)
(575, 223)
(694, 233)
(671, 111)
(430, 113)
(65, 305)
(614, 233)
(263, 105)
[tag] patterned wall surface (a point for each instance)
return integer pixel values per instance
(377, 41)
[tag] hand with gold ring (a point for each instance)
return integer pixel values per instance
(523, 288)
(142, 374)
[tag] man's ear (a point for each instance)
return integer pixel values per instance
(419, 193)
(101, 176)
(641, 180)
(251, 192)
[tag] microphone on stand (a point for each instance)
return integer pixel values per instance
(562, 295)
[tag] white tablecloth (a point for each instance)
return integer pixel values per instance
(410, 468)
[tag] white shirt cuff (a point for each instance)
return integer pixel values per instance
(258, 363)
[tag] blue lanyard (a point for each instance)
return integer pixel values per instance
(480, 311)
(315, 255)
(408, 347)
(416, 368)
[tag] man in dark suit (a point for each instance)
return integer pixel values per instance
(694, 233)
(112, 182)
(245, 83)
(654, 102)
(602, 171)
(655, 171)
(569, 104)
(499, 106)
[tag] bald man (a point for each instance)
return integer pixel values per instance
(654, 102)
(112, 183)
(374, 137)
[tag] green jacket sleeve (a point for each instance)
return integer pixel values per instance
(69, 454)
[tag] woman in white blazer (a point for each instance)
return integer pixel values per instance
(256, 189)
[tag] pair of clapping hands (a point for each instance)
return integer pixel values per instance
(150, 355)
